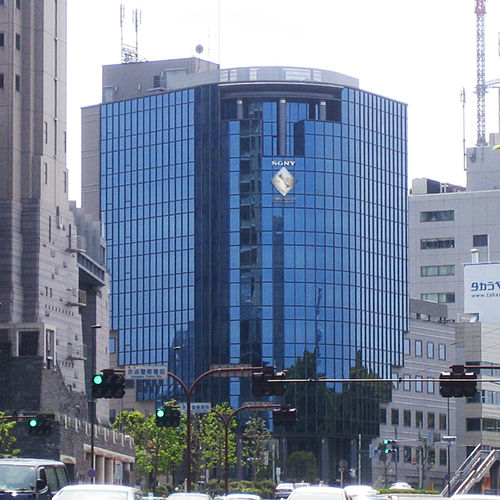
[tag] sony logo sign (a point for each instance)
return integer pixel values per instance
(283, 163)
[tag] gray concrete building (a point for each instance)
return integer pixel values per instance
(417, 417)
(53, 283)
(450, 227)
(447, 221)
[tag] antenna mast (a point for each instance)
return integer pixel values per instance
(480, 11)
(130, 53)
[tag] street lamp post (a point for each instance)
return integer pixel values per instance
(92, 402)
(226, 420)
(188, 391)
(448, 440)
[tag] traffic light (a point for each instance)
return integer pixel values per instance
(109, 384)
(458, 383)
(168, 416)
(285, 416)
(388, 446)
(40, 425)
(261, 385)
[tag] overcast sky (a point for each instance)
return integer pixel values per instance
(421, 52)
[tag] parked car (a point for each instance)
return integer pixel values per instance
(99, 492)
(318, 493)
(33, 478)
(189, 496)
(283, 490)
(359, 490)
(241, 496)
(400, 486)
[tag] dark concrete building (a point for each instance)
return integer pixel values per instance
(53, 286)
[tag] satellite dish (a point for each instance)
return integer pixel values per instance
(199, 49)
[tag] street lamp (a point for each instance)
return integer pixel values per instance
(92, 402)
(448, 440)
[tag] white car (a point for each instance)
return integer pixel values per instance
(189, 496)
(359, 490)
(400, 486)
(98, 491)
(283, 490)
(241, 496)
(318, 493)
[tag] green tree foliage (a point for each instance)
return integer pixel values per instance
(158, 449)
(6, 440)
(211, 436)
(301, 466)
(254, 440)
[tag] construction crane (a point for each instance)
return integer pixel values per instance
(480, 11)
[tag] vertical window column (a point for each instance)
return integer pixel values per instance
(282, 127)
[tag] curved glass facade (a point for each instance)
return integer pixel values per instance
(212, 264)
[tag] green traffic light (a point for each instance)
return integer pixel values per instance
(98, 379)
(33, 423)
(385, 441)
(160, 412)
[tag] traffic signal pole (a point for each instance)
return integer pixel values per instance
(188, 391)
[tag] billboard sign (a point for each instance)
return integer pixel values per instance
(482, 291)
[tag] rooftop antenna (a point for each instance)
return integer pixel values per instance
(462, 98)
(130, 53)
(137, 20)
(480, 11)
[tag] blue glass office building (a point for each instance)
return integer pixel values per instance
(212, 264)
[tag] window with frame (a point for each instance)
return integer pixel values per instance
(18, 83)
(383, 415)
(442, 421)
(430, 350)
(2, 39)
(442, 352)
(444, 270)
(18, 41)
(418, 383)
(418, 348)
(406, 382)
(394, 416)
(430, 387)
(407, 418)
(480, 240)
(434, 243)
(419, 419)
(441, 298)
(1, 80)
(431, 420)
(443, 456)
(437, 215)
(407, 454)
(406, 346)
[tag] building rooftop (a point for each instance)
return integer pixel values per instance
(124, 81)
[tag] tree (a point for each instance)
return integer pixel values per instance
(158, 449)
(254, 439)
(6, 439)
(211, 436)
(301, 466)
